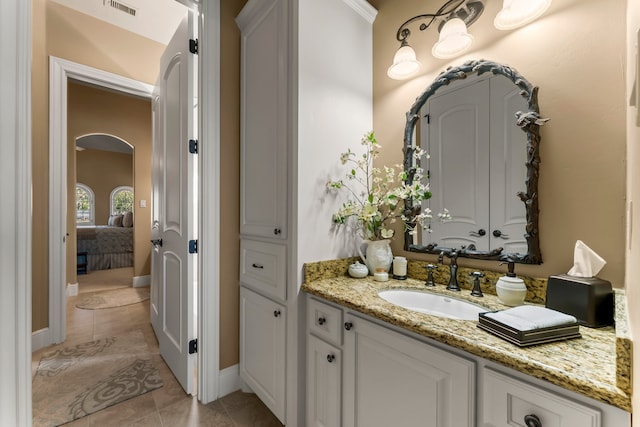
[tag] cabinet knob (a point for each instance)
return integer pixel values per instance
(348, 326)
(277, 231)
(276, 313)
(498, 233)
(330, 358)
(321, 320)
(532, 421)
(478, 233)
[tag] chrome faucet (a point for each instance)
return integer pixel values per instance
(453, 268)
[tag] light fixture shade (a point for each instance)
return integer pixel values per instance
(404, 64)
(454, 39)
(516, 13)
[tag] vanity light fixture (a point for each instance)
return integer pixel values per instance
(455, 17)
(516, 13)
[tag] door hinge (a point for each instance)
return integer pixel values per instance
(193, 146)
(193, 246)
(193, 346)
(193, 46)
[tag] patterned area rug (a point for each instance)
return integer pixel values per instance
(73, 382)
(114, 298)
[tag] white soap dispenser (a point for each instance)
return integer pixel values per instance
(511, 289)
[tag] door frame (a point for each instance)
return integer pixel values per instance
(208, 280)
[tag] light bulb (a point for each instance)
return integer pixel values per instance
(454, 39)
(516, 13)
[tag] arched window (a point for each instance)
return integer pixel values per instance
(121, 200)
(85, 205)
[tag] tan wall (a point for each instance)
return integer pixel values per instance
(67, 34)
(92, 110)
(103, 171)
(229, 182)
(633, 195)
(577, 61)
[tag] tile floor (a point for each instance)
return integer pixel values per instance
(167, 406)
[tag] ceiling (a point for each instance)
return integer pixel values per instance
(153, 19)
(103, 142)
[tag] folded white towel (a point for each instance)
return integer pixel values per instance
(528, 317)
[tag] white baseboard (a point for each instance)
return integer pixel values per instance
(40, 339)
(229, 380)
(72, 289)
(139, 281)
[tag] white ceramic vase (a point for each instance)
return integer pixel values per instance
(378, 255)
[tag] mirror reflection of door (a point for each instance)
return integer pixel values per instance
(477, 164)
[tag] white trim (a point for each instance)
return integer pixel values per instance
(364, 9)
(139, 281)
(230, 380)
(39, 339)
(209, 196)
(15, 222)
(72, 289)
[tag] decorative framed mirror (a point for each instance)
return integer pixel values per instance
(480, 124)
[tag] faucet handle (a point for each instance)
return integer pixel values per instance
(476, 291)
(430, 268)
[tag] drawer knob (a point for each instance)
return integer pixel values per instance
(330, 358)
(348, 326)
(276, 313)
(277, 231)
(321, 320)
(532, 421)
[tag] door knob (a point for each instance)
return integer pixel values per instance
(157, 242)
(330, 358)
(348, 326)
(532, 421)
(478, 233)
(498, 233)
(276, 313)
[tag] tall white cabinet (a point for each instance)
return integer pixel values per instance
(306, 96)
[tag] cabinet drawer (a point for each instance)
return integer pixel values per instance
(507, 401)
(324, 321)
(263, 268)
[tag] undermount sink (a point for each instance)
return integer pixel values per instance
(436, 305)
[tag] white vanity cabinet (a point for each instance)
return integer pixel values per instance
(369, 373)
(380, 377)
(391, 379)
(306, 96)
(262, 348)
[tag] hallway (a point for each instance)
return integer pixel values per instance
(167, 406)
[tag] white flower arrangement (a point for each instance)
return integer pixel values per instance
(379, 195)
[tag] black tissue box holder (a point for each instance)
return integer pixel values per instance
(588, 299)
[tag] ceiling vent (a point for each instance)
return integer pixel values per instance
(120, 6)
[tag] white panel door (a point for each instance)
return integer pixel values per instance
(458, 142)
(508, 166)
(390, 380)
(174, 221)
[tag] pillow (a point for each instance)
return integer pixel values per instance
(115, 221)
(127, 219)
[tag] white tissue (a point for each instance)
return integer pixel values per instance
(586, 263)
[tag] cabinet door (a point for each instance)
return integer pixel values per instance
(263, 151)
(323, 383)
(392, 380)
(507, 401)
(262, 349)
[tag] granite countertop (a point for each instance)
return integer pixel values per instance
(596, 365)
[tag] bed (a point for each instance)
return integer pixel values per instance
(106, 246)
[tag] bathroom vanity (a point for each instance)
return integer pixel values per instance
(373, 363)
